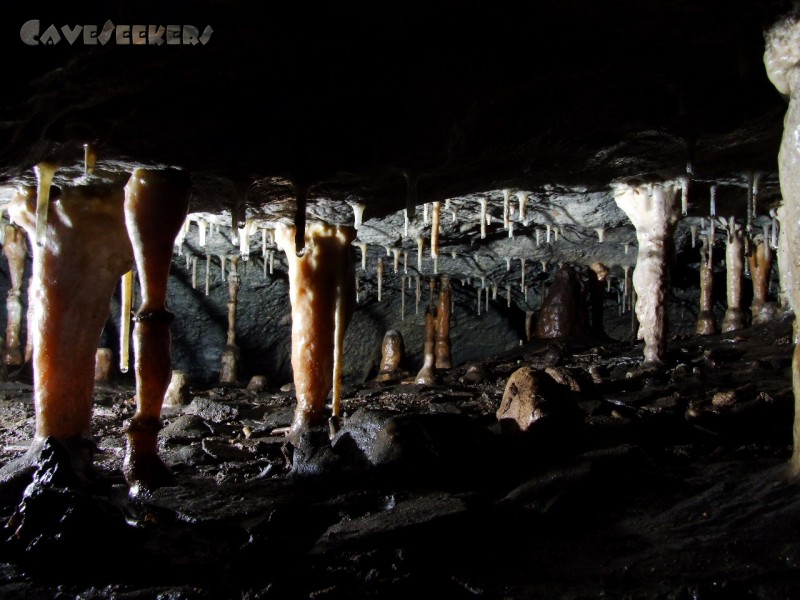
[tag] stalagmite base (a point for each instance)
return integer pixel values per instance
(320, 286)
(156, 204)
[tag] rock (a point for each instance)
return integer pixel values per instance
(565, 378)
(222, 450)
(530, 396)
(279, 416)
(184, 428)
(287, 387)
(177, 393)
(476, 373)
(211, 411)
(257, 383)
(564, 312)
(724, 399)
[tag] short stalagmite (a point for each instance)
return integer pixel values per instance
(16, 251)
(762, 310)
(734, 316)
(706, 323)
(229, 369)
(392, 356)
(782, 61)
(427, 374)
(102, 364)
(84, 235)
(443, 358)
(563, 311)
(320, 287)
(654, 211)
(156, 203)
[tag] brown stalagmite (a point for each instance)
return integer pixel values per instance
(706, 323)
(781, 59)
(654, 211)
(563, 312)
(84, 236)
(760, 267)
(598, 273)
(15, 250)
(427, 374)
(734, 263)
(443, 358)
(229, 372)
(320, 280)
(392, 355)
(156, 204)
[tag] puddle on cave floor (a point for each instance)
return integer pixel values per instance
(672, 487)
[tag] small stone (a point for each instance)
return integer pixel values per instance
(287, 387)
(565, 378)
(211, 411)
(724, 399)
(258, 383)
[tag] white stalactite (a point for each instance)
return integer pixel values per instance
(380, 277)
(712, 202)
(684, 196)
(363, 247)
(483, 202)
(420, 247)
(523, 205)
(201, 232)
(396, 262)
(358, 214)
(508, 295)
(693, 231)
(601, 234)
(506, 211)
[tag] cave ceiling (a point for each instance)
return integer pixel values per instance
(467, 99)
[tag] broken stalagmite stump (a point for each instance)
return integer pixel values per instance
(178, 393)
(102, 364)
(563, 311)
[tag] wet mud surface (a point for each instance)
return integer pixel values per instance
(669, 485)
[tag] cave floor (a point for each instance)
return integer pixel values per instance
(672, 486)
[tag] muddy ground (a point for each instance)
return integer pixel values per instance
(662, 484)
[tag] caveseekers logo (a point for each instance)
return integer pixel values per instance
(31, 33)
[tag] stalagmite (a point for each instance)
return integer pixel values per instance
(156, 204)
(379, 271)
(84, 234)
(15, 250)
(706, 322)
(435, 229)
(734, 316)
(321, 292)
(654, 213)
(443, 357)
(392, 356)
(126, 302)
(782, 62)
(528, 325)
(506, 212)
(229, 370)
(89, 158)
(44, 178)
(29, 319)
(420, 246)
(102, 364)
(760, 266)
(427, 375)
(358, 214)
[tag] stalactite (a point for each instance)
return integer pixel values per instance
(201, 232)
(358, 214)
(271, 261)
(380, 277)
(486, 305)
(508, 295)
(44, 178)
(478, 307)
(494, 291)
(363, 247)
(420, 246)
(547, 237)
(522, 270)
(601, 232)
(396, 263)
(484, 202)
(528, 325)
(89, 158)
(693, 231)
(508, 264)
(208, 274)
(435, 230)
(556, 233)
(506, 213)
(405, 223)
(538, 237)
(222, 259)
(425, 214)
(402, 297)
(358, 291)
(405, 262)
(523, 205)
(194, 272)
(188, 261)
(418, 296)
(684, 196)
(712, 202)
(511, 229)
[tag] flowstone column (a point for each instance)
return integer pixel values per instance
(654, 211)
(782, 62)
